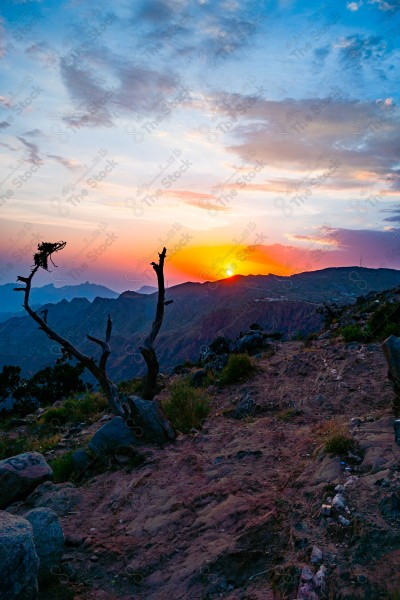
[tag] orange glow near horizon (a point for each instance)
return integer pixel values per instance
(208, 263)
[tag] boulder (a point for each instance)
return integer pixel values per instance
(81, 460)
(111, 436)
(148, 421)
(59, 497)
(19, 562)
(329, 471)
(250, 342)
(245, 408)
(49, 540)
(391, 350)
(20, 475)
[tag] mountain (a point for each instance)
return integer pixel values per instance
(10, 303)
(147, 289)
(198, 313)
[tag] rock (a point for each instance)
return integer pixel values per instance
(306, 574)
(329, 471)
(339, 489)
(245, 408)
(198, 377)
(220, 345)
(343, 521)
(320, 579)
(390, 506)
(326, 510)
(397, 431)
(20, 475)
(74, 540)
(355, 422)
(339, 502)
(110, 436)
(49, 540)
(62, 498)
(391, 350)
(81, 460)
(149, 422)
(250, 342)
(19, 562)
(316, 555)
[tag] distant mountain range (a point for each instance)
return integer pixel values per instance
(10, 302)
(199, 312)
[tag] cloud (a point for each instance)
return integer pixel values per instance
(4, 124)
(5, 101)
(377, 248)
(33, 149)
(198, 200)
(307, 135)
(354, 6)
(34, 133)
(69, 163)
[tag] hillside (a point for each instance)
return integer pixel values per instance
(234, 510)
(199, 312)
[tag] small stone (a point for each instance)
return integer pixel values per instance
(320, 579)
(339, 489)
(316, 555)
(343, 521)
(306, 574)
(339, 502)
(94, 558)
(326, 510)
(355, 422)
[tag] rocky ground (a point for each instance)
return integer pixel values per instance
(234, 511)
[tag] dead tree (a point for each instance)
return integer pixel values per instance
(148, 417)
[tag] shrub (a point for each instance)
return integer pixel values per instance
(289, 414)
(76, 410)
(186, 407)
(63, 467)
(11, 446)
(55, 416)
(354, 333)
(239, 367)
(339, 443)
(131, 386)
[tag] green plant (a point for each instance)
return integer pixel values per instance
(186, 407)
(288, 414)
(239, 367)
(354, 333)
(339, 443)
(10, 446)
(131, 386)
(76, 410)
(55, 416)
(62, 467)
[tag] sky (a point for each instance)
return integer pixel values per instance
(246, 137)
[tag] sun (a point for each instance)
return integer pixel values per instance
(229, 272)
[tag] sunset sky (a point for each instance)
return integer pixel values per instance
(246, 137)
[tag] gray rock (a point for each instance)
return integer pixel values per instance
(111, 436)
(307, 574)
(316, 555)
(49, 540)
(343, 521)
(329, 471)
(149, 422)
(62, 498)
(245, 408)
(20, 475)
(339, 502)
(80, 460)
(19, 562)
